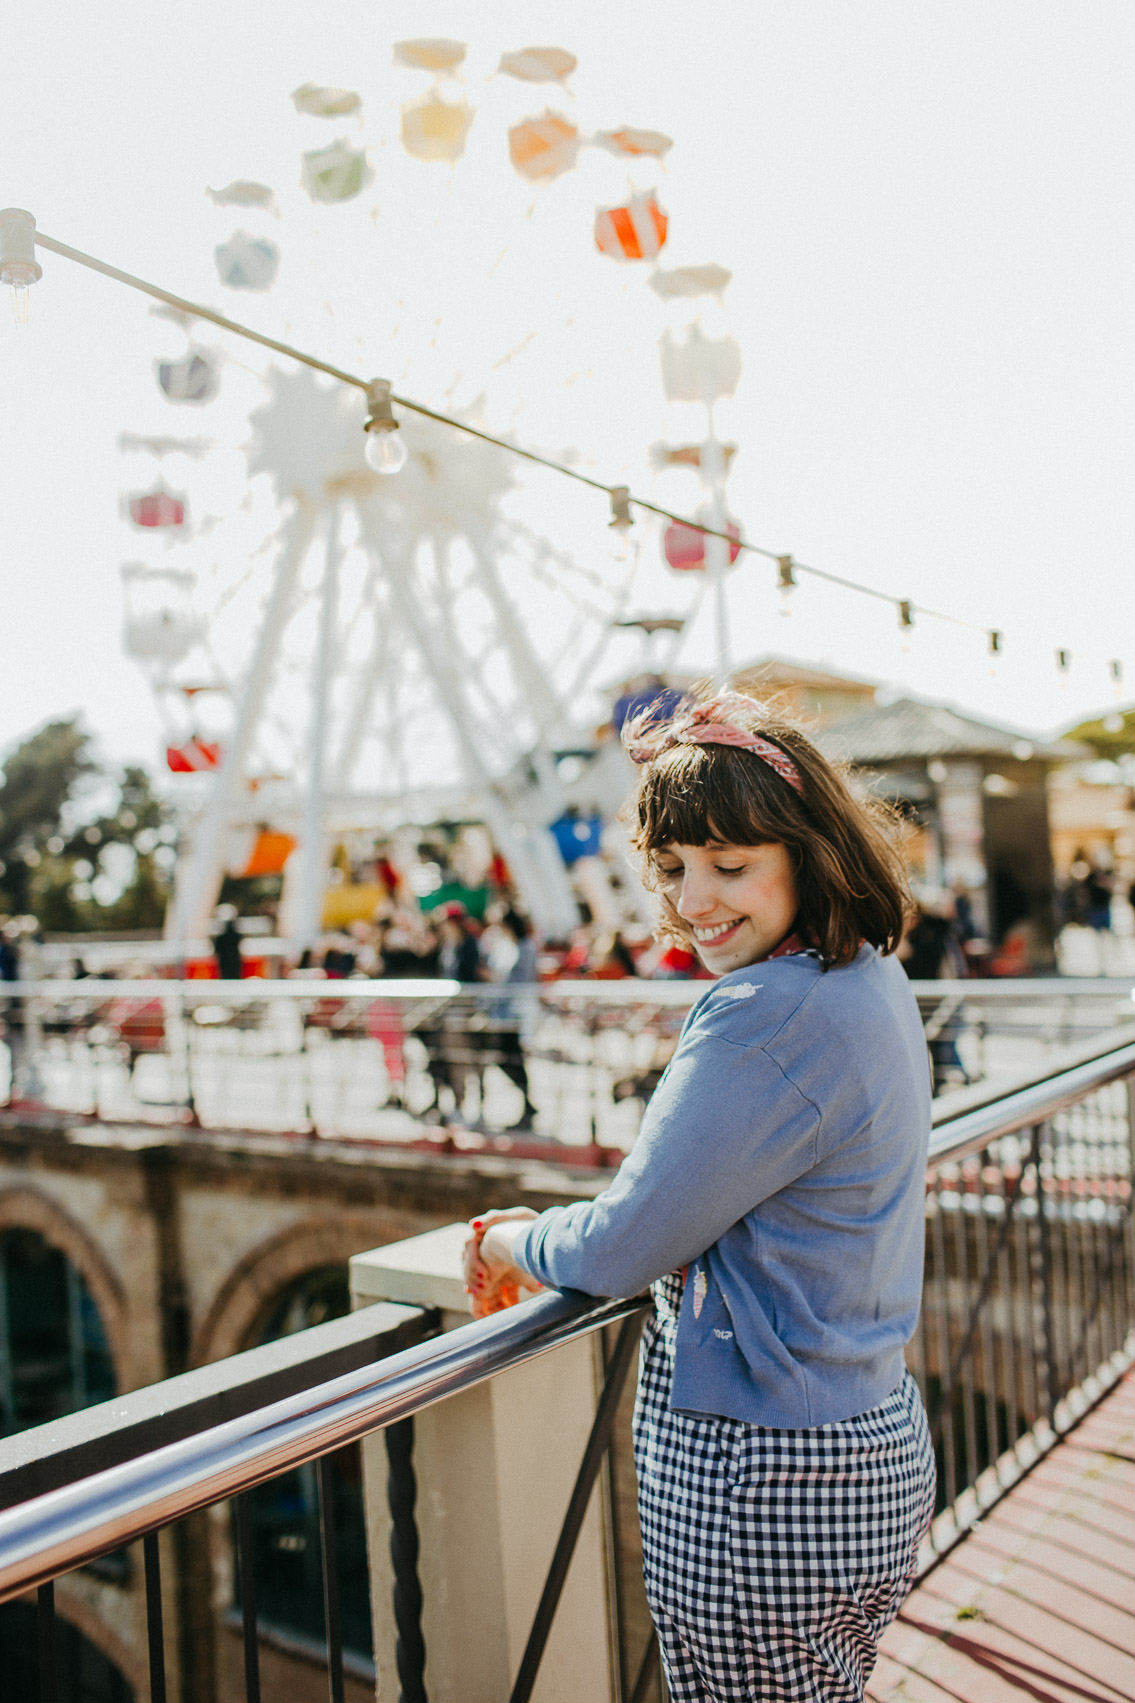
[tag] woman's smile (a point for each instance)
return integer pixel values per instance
(704, 936)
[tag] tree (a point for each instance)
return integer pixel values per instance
(1111, 735)
(39, 778)
(77, 873)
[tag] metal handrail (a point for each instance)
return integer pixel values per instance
(65, 1528)
(201, 990)
(969, 1132)
(631, 991)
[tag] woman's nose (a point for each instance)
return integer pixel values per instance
(697, 898)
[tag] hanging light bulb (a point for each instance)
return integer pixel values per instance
(621, 506)
(385, 453)
(622, 523)
(385, 449)
(786, 582)
(19, 268)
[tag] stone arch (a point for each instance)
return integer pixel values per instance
(258, 1277)
(28, 1209)
(72, 1605)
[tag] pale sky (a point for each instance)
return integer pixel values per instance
(927, 211)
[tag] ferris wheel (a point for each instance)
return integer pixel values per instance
(380, 622)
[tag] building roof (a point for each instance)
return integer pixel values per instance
(908, 730)
(773, 669)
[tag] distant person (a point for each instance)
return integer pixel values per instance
(226, 950)
(407, 947)
(459, 959)
(12, 1022)
(575, 959)
(524, 970)
(508, 1017)
(925, 952)
(1097, 900)
(651, 695)
(616, 962)
(9, 953)
(1076, 892)
(454, 1049)
(1016, 955)
(965, 924)
(339, 958)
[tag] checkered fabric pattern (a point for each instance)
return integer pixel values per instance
(774, 1559)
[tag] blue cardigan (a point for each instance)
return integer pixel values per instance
(782, 1159)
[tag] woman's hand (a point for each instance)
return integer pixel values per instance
(492, 1279)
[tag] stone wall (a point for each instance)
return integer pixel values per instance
(185, 1239)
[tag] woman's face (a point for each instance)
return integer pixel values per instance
(738, 902)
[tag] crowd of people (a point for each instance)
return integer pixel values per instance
(409, 944)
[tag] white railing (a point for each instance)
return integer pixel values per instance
(570, 1062)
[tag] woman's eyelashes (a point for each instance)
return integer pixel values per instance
(669, 875)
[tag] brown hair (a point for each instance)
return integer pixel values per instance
(850, 875)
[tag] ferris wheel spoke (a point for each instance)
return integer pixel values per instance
(381, 661)
(197, 887)
(543, 880)
(491, 729)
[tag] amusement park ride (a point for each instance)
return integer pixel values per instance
(379, 657)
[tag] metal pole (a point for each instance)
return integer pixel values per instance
(45, 1629)
(1044, 1272)
(155, 1635)
(329, 1556)
(377, 666)
(242, 1509)
(312, 842)
(197, 890)
(402, 1494)
(543, 706)
(716, 548)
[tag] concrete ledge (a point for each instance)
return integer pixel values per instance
(48, 1456)
(422, 1271)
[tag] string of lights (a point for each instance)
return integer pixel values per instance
(387, 454)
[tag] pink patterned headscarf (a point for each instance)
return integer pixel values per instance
(718, 721)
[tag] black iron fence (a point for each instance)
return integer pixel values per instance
(91, 1514)
(1028, 1316)
(1029, 1299)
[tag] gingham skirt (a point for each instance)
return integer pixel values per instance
(774, 1559)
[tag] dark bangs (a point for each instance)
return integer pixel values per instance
(850, 875)
(693, 795)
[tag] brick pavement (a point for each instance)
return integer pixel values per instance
(1038, 1602)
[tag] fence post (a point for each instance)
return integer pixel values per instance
(1045, 1276)
(495, 1469)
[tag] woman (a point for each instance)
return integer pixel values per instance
(774, 1201)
